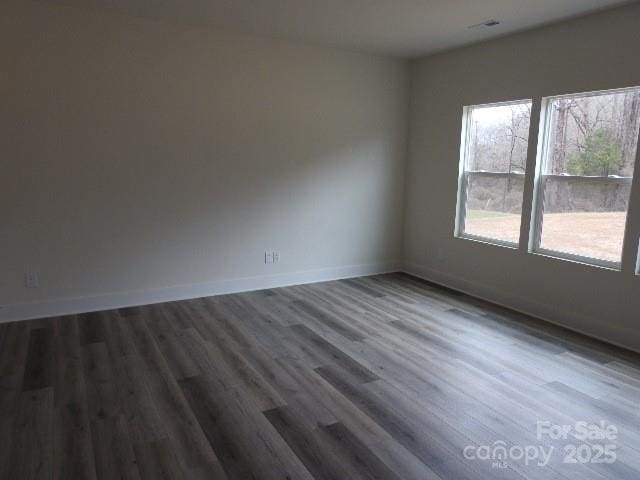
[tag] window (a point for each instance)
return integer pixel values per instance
(585, 169)
(492, 167)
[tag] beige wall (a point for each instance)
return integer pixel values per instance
(591, 53)
(140, 156)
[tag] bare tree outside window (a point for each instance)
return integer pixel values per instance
(492, 172)
(587, 158)
(586, 173)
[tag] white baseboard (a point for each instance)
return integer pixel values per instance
(68, 306)
(519, 304)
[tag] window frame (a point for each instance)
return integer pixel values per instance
(464, 175)
(540, 184)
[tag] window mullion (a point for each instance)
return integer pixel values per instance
(530, 189)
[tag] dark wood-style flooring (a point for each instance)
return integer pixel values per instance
(384, 377)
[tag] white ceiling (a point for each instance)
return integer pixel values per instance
(406, 28)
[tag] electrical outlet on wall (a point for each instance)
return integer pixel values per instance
(31, 279)
(271, 256)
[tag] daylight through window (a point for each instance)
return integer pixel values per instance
(492, 171)
(585, 174)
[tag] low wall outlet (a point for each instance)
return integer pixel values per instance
(271, 257)
(31, 280)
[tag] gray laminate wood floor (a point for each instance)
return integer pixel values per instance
(384, 377)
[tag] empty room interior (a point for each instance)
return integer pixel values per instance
(305, 239)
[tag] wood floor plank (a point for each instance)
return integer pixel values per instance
(38, 371)
(333, 354)
(233, 458)
(327, 318)
(32, 436)
(145, 424)
(177, 357)
(240, 370)
(73, 446)
(157, 460)
(308, 447)
(179, 421)
(100, 382)
(114, 456)
(68, 375)
(351, 451)
(10, 400)
(245, 443)
(426, 448)
(92, 327)
(330, 451)
(363, 288)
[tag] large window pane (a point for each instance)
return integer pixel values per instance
(498, 137)
(492, 171)
(585, 218)
(593, 134)
(494, 207)
(588, 165)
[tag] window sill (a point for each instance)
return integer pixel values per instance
(488, 241)
(586, 261)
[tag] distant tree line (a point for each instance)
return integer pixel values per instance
(590, 136)
(595, 135)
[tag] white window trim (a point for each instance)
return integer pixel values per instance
(537, 216)
(464, 174)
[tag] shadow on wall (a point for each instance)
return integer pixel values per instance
(145, 155)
